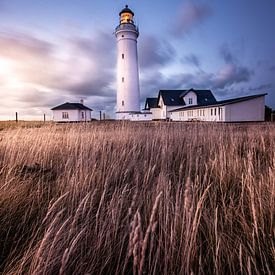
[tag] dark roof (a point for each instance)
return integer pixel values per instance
(126, 10)
(221, 103)
(171, 97)
(204, 97)
(152, 102)
(175, 97)
(71, 106)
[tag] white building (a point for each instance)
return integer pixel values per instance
(72, 112)
(128, 94)
(201, 105)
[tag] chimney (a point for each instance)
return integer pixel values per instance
(82, 101)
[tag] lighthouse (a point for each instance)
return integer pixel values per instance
(128, 94)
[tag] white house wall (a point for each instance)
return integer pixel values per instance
(202, 114)
(156, 113)
(74, 115)
(249, 110)
(87, 115)
(169, 109)
(190, 95)
(141, 117)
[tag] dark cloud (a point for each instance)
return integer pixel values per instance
(190, 14)
(99, 55)
(231, 74)
(38, 98)
(97, 85)
(154, 52)
(155, 81)
(220, 82)
(100, 48)
(261, 88)
(191, 59)
(227, 55)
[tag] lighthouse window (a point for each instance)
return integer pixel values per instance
(122, 35)
(122, 79)
(122, 103)
(123, 56)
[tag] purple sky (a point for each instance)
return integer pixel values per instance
(63, 50)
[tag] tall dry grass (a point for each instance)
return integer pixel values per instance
(121, 198)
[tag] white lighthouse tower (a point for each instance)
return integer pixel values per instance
(128, 94)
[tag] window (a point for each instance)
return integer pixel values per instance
(211, 112)
(190, 100)
(82, 115)
(202, 112)
(122, 35)
(215, 111)
(190, 113)
(122, 103)
(122, 56)
(65, 115)
(122, 79)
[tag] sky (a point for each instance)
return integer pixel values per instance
(58, 51)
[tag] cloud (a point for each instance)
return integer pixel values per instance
(191, 59)
(97, 57)
(190, 14)
(23, 46)
(38, 98)
(226, 81)
(74, 67)
(231, 74)
(261, 88)
(154, 52)
(227, 55)
(272, 69)
(220, 82)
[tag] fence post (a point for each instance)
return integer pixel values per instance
(16, 117)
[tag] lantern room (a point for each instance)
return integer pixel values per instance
(126, 16)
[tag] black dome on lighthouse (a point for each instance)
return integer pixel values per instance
(126, 10)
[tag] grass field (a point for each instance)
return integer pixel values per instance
(123, 198)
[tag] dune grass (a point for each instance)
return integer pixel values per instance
(123, 198)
